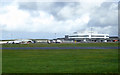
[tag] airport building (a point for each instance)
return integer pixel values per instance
(88, 37)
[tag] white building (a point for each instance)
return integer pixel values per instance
(90, 35)
(86, 37)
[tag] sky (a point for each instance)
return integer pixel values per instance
(48, 19)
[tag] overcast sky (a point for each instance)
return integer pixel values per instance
(36, 19)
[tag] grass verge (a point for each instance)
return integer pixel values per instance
(63, 45)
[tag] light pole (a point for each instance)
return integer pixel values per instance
(55, 35)
(91, 33)
(91, 30)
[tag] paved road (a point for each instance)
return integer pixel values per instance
(27, 48)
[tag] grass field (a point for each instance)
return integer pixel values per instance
(60, 61)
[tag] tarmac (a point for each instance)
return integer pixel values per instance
(49, 48)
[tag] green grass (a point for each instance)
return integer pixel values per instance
(60, 61)
(63, 45)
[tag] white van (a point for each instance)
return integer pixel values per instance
(10, 42)
(58, 41)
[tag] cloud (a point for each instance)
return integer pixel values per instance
(13, 18)
(105, 18)
(60, 17)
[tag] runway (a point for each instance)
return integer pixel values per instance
(49, 48)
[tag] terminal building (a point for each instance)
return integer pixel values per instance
(88, 37)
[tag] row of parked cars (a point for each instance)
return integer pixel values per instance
(29, 41)
(54, 41)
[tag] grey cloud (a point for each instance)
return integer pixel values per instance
(50, 7)
(44, 6)
(104, 16)
(28, 6)
(106, 5)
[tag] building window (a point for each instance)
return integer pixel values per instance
(83, 35)
(80, 36)
(97, 36)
